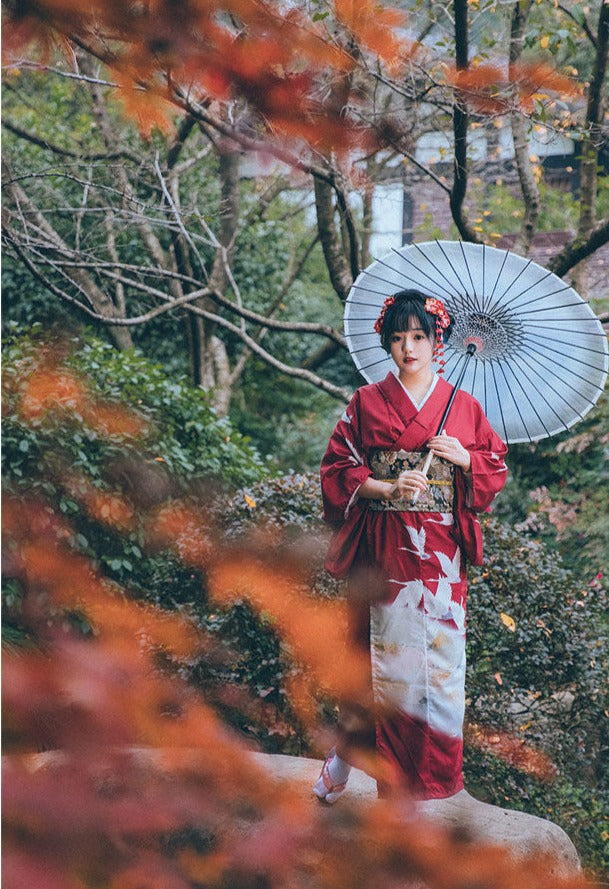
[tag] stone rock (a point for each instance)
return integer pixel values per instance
(523, 834)
(476, 822)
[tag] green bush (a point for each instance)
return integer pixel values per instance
(538, 654)
(558, 490)
(187, 452)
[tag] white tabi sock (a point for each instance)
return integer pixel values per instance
(335, 773)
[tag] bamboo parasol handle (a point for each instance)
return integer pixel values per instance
(471, 348)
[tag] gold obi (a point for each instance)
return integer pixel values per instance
(439, 496)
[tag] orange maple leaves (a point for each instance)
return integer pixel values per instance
(50, 389)
(169, 57)
(493, 89)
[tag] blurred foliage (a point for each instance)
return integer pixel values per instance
(62, 455)
(144, 786)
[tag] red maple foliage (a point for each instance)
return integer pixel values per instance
(492, 89)
(284, 65)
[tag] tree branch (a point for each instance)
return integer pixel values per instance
(296, 372)
(65, 152)
(577, 249)
(81, 278)
(289, 370)
(106, 269)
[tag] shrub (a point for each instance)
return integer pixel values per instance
(538, 653)
(169, 443)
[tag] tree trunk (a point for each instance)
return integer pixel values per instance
(331, 241)
(589, 235)
(460, 124)
(367, 222)
(528, 183)
(593, 137)
(212, 358)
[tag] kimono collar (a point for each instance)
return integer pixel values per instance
(401, 406)
(420, 404)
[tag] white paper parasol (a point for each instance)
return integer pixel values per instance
(541, 355)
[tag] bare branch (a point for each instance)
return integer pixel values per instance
(107, 270)
(177, 216)
(80, 277)
(91, 313)
(65, 152)
(289, 370)
(293, 273)
(186, 165)
(295, 372)
(29, 65)
(248, 314)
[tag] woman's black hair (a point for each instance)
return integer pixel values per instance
(409, 304)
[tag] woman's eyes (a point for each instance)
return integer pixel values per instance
(396, 338)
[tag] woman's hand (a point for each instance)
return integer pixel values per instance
(451, 449)
(409, 482)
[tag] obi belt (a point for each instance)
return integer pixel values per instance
(439, 496)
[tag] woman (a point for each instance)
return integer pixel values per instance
(414, 620)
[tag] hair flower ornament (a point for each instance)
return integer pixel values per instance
(378, 324)
(436, 307)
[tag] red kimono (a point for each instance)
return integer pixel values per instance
(416, 628)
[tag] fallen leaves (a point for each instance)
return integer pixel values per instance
(508, 622)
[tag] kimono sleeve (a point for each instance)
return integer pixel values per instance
(488, 472)
(343, 468)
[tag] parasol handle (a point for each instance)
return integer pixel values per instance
(471, 348)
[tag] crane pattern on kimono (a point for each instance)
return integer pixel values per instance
(441, 597)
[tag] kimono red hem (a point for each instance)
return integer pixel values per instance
(412, 567)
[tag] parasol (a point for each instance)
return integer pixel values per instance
(524, 343)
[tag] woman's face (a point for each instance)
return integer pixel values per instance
(411, 350)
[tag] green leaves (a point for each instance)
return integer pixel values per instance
(63, 457)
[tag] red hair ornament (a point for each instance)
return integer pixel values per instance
(435, 307)
(378, 324)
